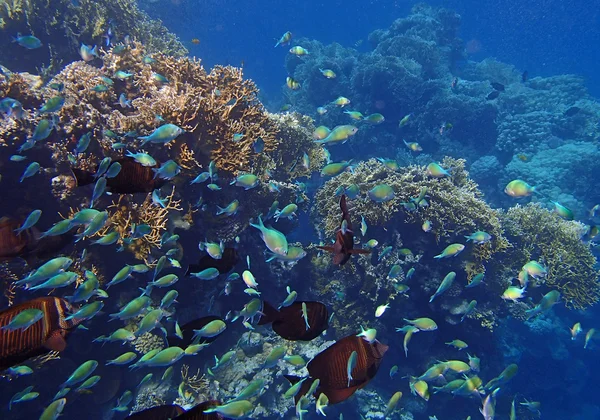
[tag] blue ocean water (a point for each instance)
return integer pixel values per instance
(472, 103)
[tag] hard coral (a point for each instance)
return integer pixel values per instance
(543, 235)
(455, 205)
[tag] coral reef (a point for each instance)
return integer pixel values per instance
(62, 26)
(544, 236)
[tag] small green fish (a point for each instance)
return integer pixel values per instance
(451, 251)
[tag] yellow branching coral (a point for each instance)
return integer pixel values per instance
(125, 212)
(542, 235)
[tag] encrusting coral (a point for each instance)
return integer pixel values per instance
(557, 243)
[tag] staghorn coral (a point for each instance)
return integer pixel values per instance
(544, 236)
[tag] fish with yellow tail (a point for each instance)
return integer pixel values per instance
(413, 146)
(285, 39)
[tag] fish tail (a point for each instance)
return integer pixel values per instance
(269, 314)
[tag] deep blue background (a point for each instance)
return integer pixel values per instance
(546, 37)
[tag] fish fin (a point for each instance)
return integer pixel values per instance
(56, 342)
(269, 314)
(326, 248)
(338, 395)
(82, 177)
(359, 251)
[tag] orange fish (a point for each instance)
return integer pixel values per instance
(289, 325)
(523, 157)
(195, 41)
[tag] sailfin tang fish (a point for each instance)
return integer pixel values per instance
(48, 334)
(288, 324)
(342, 249)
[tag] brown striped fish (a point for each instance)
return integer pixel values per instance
(47, 334)
(288, 322)
(330, 367)
(133, 178)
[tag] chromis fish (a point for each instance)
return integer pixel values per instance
(535, 269)
(436, 171)
(236, 409)
(143, 159)
(212, 329)
(470, 308)
(339, 135)
(381, 193)
(369, 335)
(341, 101)
(165, 357)
(298, 51)
(519, 188)
(351, 365)
(53, 104)
(355, 115)
(413, 146)
(276, 354)
(575, 330)
(30, 171)
(24, 319)
(30, 221)
(380, 310)
(163, 134)
(168, 170)
(123, 359)
(81, 373)
(375, 118)
(132, 309)
(458, 344)
(451, 251)
(229, 210)
(275, 241)
(405, 120)
(548, 301)
(328, 73)
(479, 237)
(88, 53)
(122, 75)
(513, 293)
(206, 274)
(54, 410)
(87, 311)
(588, 337)
(444, 285)
(285, 39)
(334, 169)
(246, 181)
(27, 41)
(288, 212)
(420, 388)
(292, 83)
(423, 324)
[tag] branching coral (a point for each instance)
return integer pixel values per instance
(543, 235)
(125, 212)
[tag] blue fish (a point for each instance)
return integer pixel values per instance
(113, 170)
(98, 190)
(123, 101)
(140, 230)
(162, 202)
(31, 220)
(201, 178)
(42, 131)
(52, 105)
(103, 167)
(167, 170)
(163, 134)
(31, 170)
(83, 143)
(28, 41)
